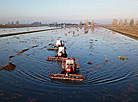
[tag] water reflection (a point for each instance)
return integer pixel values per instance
(92, 29)
(80, 27)
(65, 34)
(113, 32)
(91, 46)
(86, 29)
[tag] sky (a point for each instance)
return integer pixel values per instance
(69, 11)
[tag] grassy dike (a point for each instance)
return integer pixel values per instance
(128, 31)
(4, 35)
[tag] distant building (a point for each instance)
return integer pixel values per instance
(54, 23)
(17, 22)
(36, 23)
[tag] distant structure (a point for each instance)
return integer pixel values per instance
(36, 23)
(92, 23)
(125, 22)
(54, 23)
(120, 23)
(9, 23)
(12, 22)
(17, 22)
(131, 23)
(87, 23)
(114, 23)
(137, 23)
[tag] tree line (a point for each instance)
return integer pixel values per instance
(121, 24)
(87, 23)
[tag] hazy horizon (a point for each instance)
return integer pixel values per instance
(71, 11)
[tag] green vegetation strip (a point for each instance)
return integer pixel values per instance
(10, 34)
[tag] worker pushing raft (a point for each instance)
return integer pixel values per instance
(59, 56)
(61, 52)
(69, 70)
(69, 65)
(59, 43)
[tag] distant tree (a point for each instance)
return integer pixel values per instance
(120, 23)
(114, 23)
(131, 23)
(80, 23)
(87, 22)
(17, 22)
(125, 22)
(137, 23)
(12, 22)
(92, 23)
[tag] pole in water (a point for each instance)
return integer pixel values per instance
(106, 58)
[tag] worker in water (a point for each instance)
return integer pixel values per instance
(59, 43)
(61, 52)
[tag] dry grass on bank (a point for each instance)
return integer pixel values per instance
(129, 31)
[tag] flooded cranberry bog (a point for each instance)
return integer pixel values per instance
(25, 71)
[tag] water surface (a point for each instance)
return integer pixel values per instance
(112, 80)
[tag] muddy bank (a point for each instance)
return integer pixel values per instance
(128, 31)
(3, 35)
(20, 25)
